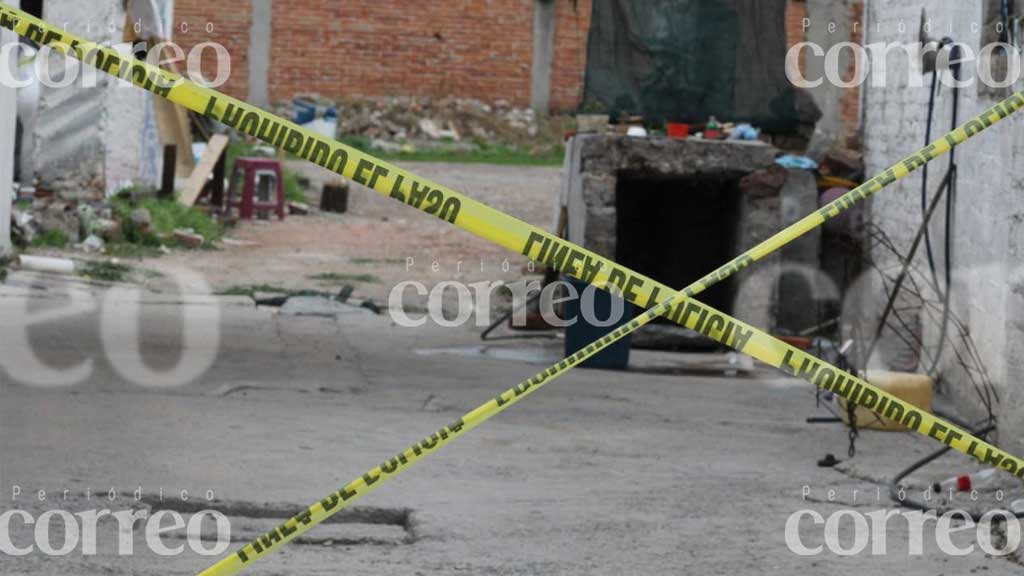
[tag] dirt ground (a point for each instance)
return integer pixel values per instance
(379, 242)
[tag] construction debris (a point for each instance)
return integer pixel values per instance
(406, 124)
(299, 208)
(57, 217)
(23, 232)
(92, 245)
(141, 220)
(189, 238)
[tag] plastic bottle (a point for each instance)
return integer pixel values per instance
(967, 482)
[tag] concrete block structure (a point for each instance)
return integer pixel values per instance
(677, 209)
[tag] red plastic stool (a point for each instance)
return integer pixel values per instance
(257, 191)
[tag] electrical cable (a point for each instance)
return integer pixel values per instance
(924, 180)
(894, 484)
(951, 183)
(550, 276)
(506, 316)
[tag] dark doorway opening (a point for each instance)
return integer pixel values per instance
(676, 230)
(33, 7)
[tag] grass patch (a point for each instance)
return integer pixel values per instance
(339, 277)
(252, 289)
(130, 251)
(51, 239)
(293, 190)
(377, 261)
(166, 216)
(485, 154)
(105, 271)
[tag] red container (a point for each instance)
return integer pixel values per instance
(680, 131)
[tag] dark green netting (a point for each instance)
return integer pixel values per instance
(686, 60)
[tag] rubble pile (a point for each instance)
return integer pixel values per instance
(57, 221)
(405, 123)
(93, 227)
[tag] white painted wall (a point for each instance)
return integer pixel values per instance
(989, 239)
(93, 139)
(8, 117)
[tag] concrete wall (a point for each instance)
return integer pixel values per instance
(8, 112)
(988, 292)
(93, 136)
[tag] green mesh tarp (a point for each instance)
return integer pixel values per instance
(685, 60)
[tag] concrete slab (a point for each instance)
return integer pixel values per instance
(599, 473)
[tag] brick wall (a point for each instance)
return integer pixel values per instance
(570, 59)
(850, 101)
(796, 11)
(223, 21)
(848, 17)
(364, 48)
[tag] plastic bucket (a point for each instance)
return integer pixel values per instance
(591, 316)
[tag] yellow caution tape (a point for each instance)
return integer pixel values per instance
(544, 247)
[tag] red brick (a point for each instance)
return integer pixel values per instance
(369, 48)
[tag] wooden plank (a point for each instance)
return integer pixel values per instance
(175, 129)
(214, 150)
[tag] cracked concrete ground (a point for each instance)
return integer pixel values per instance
(599, 473)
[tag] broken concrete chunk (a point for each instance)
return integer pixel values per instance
(93, 244)
(108, 230)
(298, 208)
(141, 219)
(58, 216)
(189, 238)
(429, 128)
(23, 228)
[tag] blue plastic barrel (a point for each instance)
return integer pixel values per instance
(585, 331)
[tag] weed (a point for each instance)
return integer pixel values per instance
(377, 260)
(339, 277)
(167, 216)
(252, 289)
(52, 238)
(105, 271)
